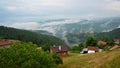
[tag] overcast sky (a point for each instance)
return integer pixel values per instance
(34, 10)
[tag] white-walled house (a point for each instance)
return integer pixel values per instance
(90, 49)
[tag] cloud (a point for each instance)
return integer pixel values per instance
(113, 6)
(70, 21)
(28, 25)
(11, 8)
(34, 5)
(116, 0)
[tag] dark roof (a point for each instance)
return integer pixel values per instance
(4, 42)
(93, 48)
(59, 48)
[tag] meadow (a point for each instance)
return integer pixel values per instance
(106, 59)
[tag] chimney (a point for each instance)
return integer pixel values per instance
(59, 47)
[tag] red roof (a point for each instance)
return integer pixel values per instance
(117, 40)
(102, 42)
(93, 48)
(59, 48)
(4, 42)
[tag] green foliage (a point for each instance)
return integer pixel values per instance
(81, 46)
(28, 36)
(46, 47)
(25, 55)
(91, 41)
(57, 59)
(101, 46)
(77, 49)
(108, 40)
(81, 37)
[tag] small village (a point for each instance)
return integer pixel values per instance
(63, 51)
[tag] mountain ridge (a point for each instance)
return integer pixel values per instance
(29, 36)
(62, 28)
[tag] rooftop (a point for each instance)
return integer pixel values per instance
(59, 48)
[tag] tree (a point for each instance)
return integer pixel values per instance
(77, 48)
(25, 55)
(108, 40)
(46, 47)
(57, 59)
(81, 46)
(91, 41)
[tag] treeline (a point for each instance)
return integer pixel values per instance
(28, 36)
(81, 37)
(114, 34)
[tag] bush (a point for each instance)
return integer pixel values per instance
(57, 59)
(77, 49)
(91, 41)
(25, 55)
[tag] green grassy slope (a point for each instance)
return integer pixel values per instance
(106, 59)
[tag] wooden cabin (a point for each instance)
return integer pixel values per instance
(62, 51)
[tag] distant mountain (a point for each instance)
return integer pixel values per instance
(62, 27)
(81, 25)
(114, 34)
(28, 36)
(74, 38)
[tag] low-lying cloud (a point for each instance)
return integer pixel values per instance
(28, 25)
(70, 21)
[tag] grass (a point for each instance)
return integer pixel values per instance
(97, 60)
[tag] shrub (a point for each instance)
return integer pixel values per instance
(25, 55)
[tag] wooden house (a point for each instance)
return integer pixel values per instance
(62, 51)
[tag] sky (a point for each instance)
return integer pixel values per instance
(26, 13)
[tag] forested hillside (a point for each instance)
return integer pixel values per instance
(112, 34)
(28, 36)
(81, 37)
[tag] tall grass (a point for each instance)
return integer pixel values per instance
(115, 63)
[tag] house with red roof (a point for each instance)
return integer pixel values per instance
(100, 42)
(117, 41)
(5, 43)
(62, 51)
(91, 49)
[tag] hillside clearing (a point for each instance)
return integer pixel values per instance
(97, 60)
